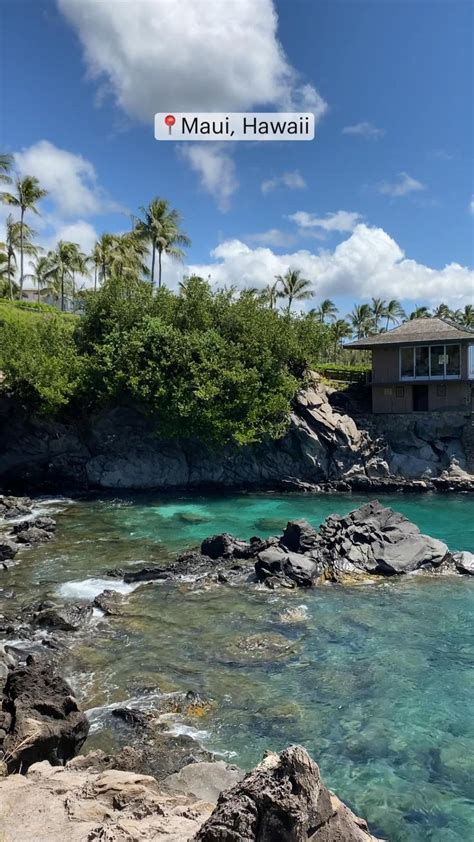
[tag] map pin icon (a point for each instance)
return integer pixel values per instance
(170, 121)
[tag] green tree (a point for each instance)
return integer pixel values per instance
(62, 263)
(270, 295)
(28, 193)
(14, 234)
(294, 287)
(420, 313)
(394, 312)
(378, 308)
(6, 164)
(40, 268)
(339, 330)
(465, 317)
(362, 320)
(326, 310)
(160, 226)
(442, 311)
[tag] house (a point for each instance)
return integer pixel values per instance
(425, 364)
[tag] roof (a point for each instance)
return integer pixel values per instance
(416, 330)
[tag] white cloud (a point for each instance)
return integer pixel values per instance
(339, 221)
(367, 130)
(215, 168)
(404, 185)
(272, 237)
(70, 179)
(471, 206)
(292, 180)
(217, 55)
(160, 55)
(368, 263)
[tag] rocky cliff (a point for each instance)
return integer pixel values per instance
(120, 448)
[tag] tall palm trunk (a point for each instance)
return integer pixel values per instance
(153, 255)
(21, 251)
(290, 302)
(62, 291)
(95, 277)
(159, 267)
(9, 269)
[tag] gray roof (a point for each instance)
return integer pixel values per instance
(416, 330)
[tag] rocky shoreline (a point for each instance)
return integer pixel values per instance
(157, 785)
(147, 791)
(330, 445)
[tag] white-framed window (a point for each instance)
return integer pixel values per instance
(433, 362)
(470, 363)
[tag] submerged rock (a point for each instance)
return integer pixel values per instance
(8, 550)
(283, 799)
(46, 723)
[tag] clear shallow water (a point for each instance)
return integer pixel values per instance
(376, 681)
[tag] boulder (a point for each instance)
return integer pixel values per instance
(225, 546)
(12, 507)
(464, 562)
(8, 549)
(376, 540)
(62, 618)
(34, 535)
(204, 780)
(109, 601)
(276, 561)
(48, 524)
(46, 723)
(282, 799)
(299, 536)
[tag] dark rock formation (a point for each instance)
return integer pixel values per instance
(109, 601)
(299, 536)
(296, 567)
(8, 550)
(370, 541)
(376, 540)
(464, 563)
(282, 799)
(62, 617)
(45, 721)
(12, 507)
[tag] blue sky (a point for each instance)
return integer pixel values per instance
(378, 204)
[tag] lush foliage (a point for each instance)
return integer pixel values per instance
(38, 355)
(214, 366)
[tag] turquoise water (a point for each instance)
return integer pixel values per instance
(375, 680)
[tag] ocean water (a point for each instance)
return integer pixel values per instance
(377, 680)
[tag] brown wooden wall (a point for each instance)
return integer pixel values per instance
(393, 399)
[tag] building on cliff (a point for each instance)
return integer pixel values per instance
(423, 365)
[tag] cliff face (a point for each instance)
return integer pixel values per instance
(119, 448)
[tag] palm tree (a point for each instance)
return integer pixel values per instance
(378, 308)
(13, 242)
(6, 163)
(39, 274)
(465, 317)
(442, 311)
(62, 263)
(340, 330)
(28, 193)
(270, 295)
(294, 287)
(394, 312)
(420, 313)
(362, 320)
(160, 227)
(126, 258)
(100, 257)
(327, 309)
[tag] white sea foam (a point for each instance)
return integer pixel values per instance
(90, 588)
